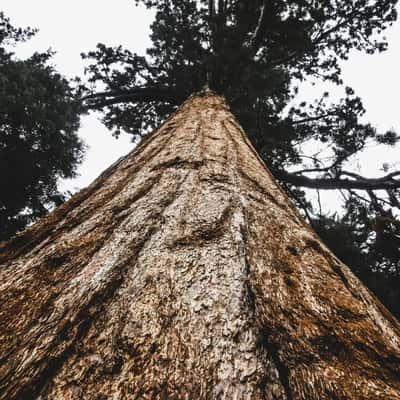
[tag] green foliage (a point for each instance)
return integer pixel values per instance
(38, 143)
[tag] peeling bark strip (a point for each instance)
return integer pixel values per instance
(184, 272)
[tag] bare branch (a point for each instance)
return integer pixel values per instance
(357, 183)
(211, 8)
(221, 7)
(385, 178)
(141, 94)
(311, 119)
(258, 32)
(336, 163)
(394, 201)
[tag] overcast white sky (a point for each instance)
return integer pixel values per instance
(71, 27)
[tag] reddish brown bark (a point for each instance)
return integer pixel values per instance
(184, 272)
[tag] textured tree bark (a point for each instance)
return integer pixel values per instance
(184, 272)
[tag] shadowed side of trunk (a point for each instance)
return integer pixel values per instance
(185, 272)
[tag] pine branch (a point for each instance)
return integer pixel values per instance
(317, 41)
(143, 94)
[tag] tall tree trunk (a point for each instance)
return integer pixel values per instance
(184, 272)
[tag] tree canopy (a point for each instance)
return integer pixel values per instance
(39, 119)
(257, 54)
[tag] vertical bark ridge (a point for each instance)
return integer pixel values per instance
(185, 272)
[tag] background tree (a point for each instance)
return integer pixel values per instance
(256, 54)
(38, 122)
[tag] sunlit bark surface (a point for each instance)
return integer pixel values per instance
(184, 272)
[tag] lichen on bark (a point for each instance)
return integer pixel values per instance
(184, 272)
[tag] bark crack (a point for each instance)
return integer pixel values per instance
(283, 370)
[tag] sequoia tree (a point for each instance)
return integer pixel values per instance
(256, 54)
(185, 272)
